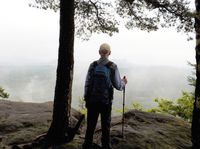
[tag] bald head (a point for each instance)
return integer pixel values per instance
(104, 50)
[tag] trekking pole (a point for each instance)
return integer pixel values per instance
(123, 112)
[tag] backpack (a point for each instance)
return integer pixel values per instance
(101, 86)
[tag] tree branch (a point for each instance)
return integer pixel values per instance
(97, 15)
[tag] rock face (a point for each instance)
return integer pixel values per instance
(21, 122)
(152, 131)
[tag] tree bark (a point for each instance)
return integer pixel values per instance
(63, 89)
(196, 111)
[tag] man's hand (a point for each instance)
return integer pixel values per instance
(125, 80)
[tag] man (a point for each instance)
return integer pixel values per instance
(102, 76)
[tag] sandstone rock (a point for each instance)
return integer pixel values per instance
(20, 123)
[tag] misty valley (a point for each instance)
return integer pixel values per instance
(35, 83)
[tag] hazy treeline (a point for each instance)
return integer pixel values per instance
(36, 83)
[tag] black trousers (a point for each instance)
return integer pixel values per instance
(94, 109)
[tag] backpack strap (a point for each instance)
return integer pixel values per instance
(109, 64)
(95, 64)
(111, 90)
(91, 71)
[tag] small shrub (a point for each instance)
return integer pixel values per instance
(3, 94)
(181, 107)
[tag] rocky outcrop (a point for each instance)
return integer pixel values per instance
(21, 123)
(152, 131)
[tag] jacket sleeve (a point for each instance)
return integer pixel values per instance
(117, 82)
(88, 82)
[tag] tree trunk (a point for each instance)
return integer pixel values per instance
(196, 111)
(62, 98)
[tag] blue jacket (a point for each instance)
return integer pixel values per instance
(116, 80)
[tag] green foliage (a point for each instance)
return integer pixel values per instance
(46, 4)
(3, 94)
(96, 16)
(137, 106)
(91, 16)
(153, 14)
(120, 110)
(182, 107)
(82, 107)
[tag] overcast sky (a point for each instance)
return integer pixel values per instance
(30, 36)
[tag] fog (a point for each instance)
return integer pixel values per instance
(35, 83)
(154, 63)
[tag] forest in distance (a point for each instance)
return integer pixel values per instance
(36, 83)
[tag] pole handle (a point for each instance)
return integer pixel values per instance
(125, 84)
